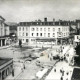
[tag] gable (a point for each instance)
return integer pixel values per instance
(2, 19)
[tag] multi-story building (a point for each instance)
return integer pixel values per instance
(43, 32)
(4, 30)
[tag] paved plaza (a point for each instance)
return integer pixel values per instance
(56, 75)
(21, 58)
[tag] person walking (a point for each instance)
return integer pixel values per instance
(61, 78)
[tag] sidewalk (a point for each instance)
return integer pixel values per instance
(17, 72)
(4, 47)
(56, 75)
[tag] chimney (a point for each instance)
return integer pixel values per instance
(53, 20)
(45, 19)
(59, 22)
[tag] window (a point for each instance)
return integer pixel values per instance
(26, 34)
(23, 28)
(23, 34)
(59, 29)
(37, 34)
(77, 37)
(32, 39)
(23, 39)
(37, 29)
(53, 29)
(33, 29)
(44, 34)
(26, 40)
(40, 34)
(53, 34)
(64, 28)
(40, 23)
(40, 29)
(32, 34)
(48, 34)
(48, 29)
(19, 28)
(1, 24)
(64, 34)
(19, 33)
(26, 29)
(44, 29)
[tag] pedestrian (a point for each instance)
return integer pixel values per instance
(63, 73)
(60, 71)
(67, 73)
(54, 70)
(61, 78)
(50, 59)
(24, 66)
(22, 69)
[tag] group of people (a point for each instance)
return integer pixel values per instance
(63, 73)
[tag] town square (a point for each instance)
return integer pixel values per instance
(39, 40)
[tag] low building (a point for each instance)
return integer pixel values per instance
(6, 67)
(43, 32)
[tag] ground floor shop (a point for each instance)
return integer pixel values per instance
(4, 41)
(51, 41)
(6, 67)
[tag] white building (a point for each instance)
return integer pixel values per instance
(42, 32)
(4, 30)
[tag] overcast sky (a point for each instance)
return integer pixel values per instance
(30, 10)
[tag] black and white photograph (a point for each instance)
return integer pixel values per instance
(39, 39)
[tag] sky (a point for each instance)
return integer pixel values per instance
(31, 10)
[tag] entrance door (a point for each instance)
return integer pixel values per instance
(3, 42)
(27, 41)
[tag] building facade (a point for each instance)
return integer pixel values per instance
(4, 32)
(42, 32)
(6, 67)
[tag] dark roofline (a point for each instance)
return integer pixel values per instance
(2, 18)
(4, 60)
(48, 23)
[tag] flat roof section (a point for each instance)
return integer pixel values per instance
(76, 74)
(4, 60)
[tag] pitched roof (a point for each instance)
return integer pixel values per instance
(1, 18)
